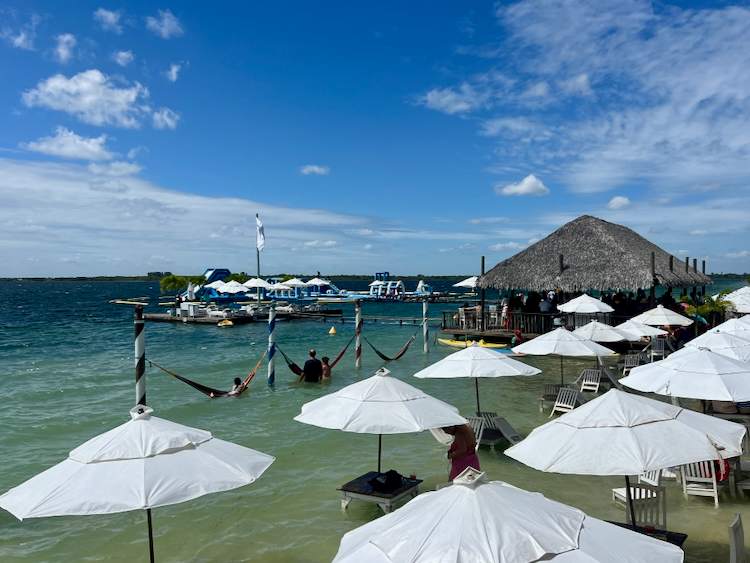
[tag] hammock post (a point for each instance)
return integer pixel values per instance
(358, 334)
(140, 356)
(425, 326)
(271, 344)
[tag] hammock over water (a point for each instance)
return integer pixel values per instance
(210, 391)
(398, 355)
(296, 370)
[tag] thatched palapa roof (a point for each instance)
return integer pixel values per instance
(596, 255)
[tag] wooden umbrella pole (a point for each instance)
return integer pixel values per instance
(562, 380)
(476, 387)
(629, 497)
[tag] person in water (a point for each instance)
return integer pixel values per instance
(462, 452)
(237, 387)
(312, 372)
(326, 368)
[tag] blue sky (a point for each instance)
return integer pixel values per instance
(412, 137)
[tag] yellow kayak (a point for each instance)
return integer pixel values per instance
(466, 343)
(225, 322)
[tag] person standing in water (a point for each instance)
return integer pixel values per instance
(312, 372)
(462, 452)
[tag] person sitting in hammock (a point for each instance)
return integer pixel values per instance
(236, 388)
(312, 371)
(326, 367)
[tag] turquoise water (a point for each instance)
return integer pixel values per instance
(66, 374)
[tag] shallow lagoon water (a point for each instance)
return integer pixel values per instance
(66, 375)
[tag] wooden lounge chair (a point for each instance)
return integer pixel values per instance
(699, 479)
(652, 478)
(477, 425)
(549, 395)
(658, 348)
(590, 379)
(497, 430)
(611, 378)
(566, 401)
(736, 541)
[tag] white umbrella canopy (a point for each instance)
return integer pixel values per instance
(601, 332)
(561, 342)
(738, 327)
(232, 287)
(476, 362)
(318, 282)
(256, 283)
(694, 373)
(144, 463)
(661, 316)
(280, 287)
(294, 282)
(215, 284)
(376, 282)
(585, 304)
(620, 433)
(636, 330)
(379, 405)
(469, 283)
(481, 521)
(733, 345)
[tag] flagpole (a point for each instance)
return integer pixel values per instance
(260, 241)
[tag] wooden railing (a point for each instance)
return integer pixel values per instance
(527, 323)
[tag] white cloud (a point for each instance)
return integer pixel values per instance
(512, 245)
(618, 202)
(123, 58)
(537, 90)
(738, 254)
(166, 25)
(315, 170)
(530, 185)
(66, 144)
(92, 97)
(109, 20)
(452, 101)
(173, 72)
(22, 37)
(514, 125)
(116, 168)
(320, 243)
(66, 42)
(165, 118)
(578, 85)
(698, 232)
(488, 220)
(368, 246)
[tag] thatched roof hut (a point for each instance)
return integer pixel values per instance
(595, 254)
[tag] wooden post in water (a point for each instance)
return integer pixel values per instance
(140, 357)
(271, 344)
(481, 299)
(652, 299)
(703, 271)
(425, 326)
(358, 334)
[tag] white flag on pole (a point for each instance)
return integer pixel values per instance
(260, 235)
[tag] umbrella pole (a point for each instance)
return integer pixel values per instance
(476, 385)
(562, 381)
(630, 500)
(150, 536)
(380, 448)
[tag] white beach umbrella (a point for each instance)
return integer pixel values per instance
(379, 405)
(318, 282)
(620, 433)
(469, 283)
(476, 362)
(601, 332)
(661, 316)
(376, 282)
(480, 521)
(215, 284)
(585, 304)
(694, 373)
(233, 287)
(280, 287)
(561, 342)
(734, 345)
(739, 299)
(636, 330)
(256, 283)
(144, 463)
(738, 327)
(294, 282)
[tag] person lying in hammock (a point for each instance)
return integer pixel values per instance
(236, 388)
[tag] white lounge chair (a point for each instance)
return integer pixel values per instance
(699, 479)
(658, 348)
(590, 380)
(629, 362)
(566, 401)
(477, 425)
(497, 429)
(549, 395)
(736, 541)
(649, 500)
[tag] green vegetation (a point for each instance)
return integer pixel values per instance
(172, 283)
